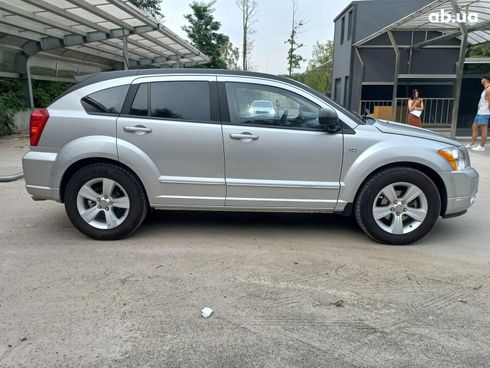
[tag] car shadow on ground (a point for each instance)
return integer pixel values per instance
(247, 220)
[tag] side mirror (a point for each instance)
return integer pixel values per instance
(329, 120)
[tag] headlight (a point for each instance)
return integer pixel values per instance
(455, 157)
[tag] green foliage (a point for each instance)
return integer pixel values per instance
(230, 55)
(294, 59)
(482, 50)
(318, 74)
(11, 101)
(203, 33)
(45, 91)
(150, 6)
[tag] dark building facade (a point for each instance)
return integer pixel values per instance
(380, 74)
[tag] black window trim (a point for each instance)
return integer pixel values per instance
(214, 111)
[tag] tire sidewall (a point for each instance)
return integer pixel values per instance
(137, 200)
(379, 182)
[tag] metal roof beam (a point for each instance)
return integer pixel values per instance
(46, 6)
(101, 13)
(135, 12)
(136, 30)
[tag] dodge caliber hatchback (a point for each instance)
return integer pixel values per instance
(119, 143)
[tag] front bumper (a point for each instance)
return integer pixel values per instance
(461, 187)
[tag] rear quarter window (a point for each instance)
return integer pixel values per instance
(106, 102)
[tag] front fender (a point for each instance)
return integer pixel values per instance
(378, 152)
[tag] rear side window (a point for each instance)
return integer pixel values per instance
(180, 100)
(139, 106)
(107, 101)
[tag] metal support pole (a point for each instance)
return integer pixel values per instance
(458, 84)
(395, 80)
(29, 81)
(359, 57)
(125, 52)
(459, 72)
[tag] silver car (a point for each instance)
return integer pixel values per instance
(119, 143)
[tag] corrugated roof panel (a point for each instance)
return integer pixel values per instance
(71, 20)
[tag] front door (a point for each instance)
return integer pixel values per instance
(276, 153)
(171, 120)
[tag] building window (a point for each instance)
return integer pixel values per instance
(336, 91)
(342, 30)
(349, 26)
(346, 93)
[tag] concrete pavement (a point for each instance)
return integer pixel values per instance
(288, 290)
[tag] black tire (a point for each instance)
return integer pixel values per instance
(138, 203)
(368, 195)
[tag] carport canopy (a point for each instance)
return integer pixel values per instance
(84, 36)
(478, 30)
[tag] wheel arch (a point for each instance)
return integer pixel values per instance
(73, 168)
(432, 174)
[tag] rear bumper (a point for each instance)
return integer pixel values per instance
(461, 187)
(38, 173)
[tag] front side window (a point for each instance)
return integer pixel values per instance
(107, 101)
(180, 100)
(259, 105)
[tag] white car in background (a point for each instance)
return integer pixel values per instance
(262, 107)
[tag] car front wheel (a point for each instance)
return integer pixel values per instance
(105, 201)
(398, 206)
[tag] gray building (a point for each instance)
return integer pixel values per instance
(386, 48)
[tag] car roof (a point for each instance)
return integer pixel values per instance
(85, 80)
(103, 76)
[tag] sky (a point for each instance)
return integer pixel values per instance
(272, 28)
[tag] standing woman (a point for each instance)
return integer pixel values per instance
(415, 108)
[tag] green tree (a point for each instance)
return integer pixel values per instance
(318, 74)
(294, 59)
(481, 50)
(150, 6)
(203, 33)
(230, 55)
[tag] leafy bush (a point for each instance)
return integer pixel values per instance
(11, 101)
(45, 92)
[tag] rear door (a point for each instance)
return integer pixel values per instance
(174, 121)
(279, 158)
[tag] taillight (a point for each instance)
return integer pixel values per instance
(39, 118)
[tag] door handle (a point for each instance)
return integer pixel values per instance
(137, 129)
(244, 135)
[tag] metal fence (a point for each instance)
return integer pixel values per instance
(437, 111)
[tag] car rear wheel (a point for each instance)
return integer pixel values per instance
(105, 201)
(398, 206)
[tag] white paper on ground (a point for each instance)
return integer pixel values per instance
(206, 312)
